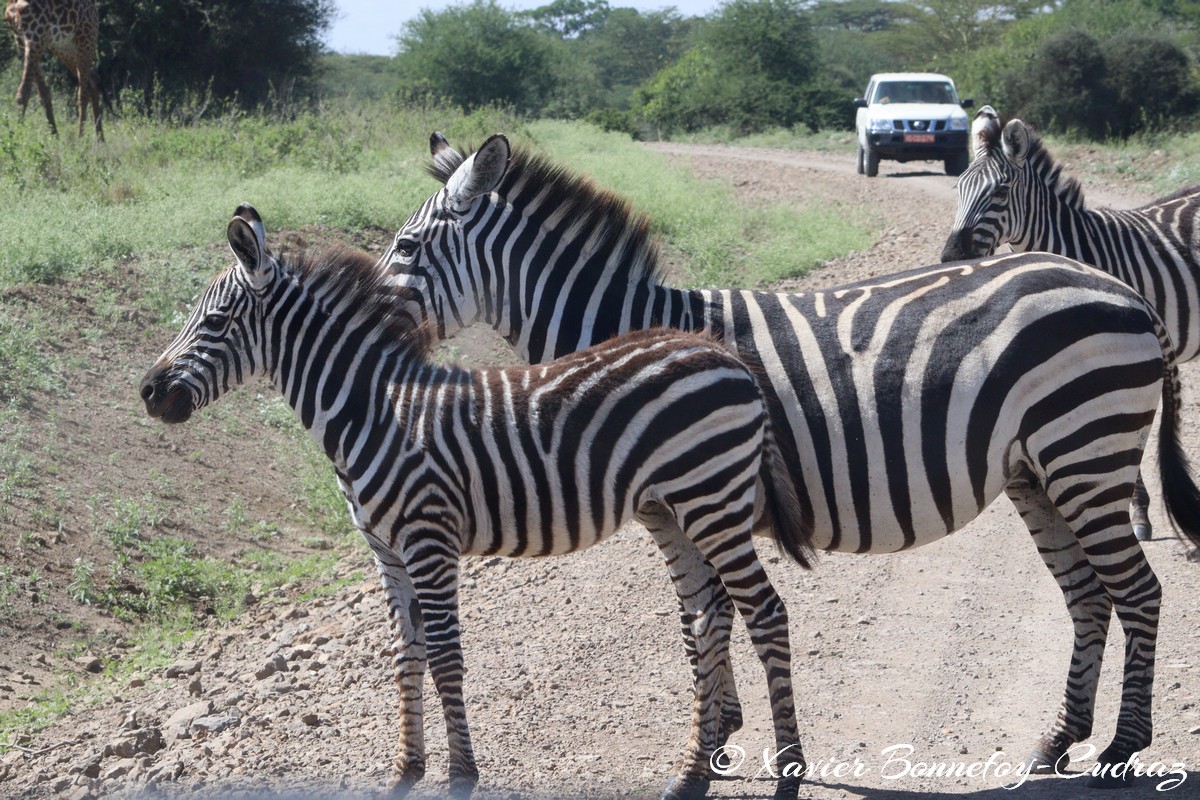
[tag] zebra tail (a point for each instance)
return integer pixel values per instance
(790, 528)
(1180, 495)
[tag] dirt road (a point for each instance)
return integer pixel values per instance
(950, 658)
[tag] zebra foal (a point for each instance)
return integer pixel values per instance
(1015, 193)
(436, 462)
(902, 405)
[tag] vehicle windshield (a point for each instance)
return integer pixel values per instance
(915, 92)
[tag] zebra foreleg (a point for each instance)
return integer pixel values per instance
(408, 666)
(1090, 609)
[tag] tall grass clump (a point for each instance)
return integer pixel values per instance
(157, 186)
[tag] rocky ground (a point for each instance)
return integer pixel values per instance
(913, 672)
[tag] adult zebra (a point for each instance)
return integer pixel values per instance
(1015, 193)
(904, 404)
(436, 461)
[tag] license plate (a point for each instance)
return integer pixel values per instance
(918, 138)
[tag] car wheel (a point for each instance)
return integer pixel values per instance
(858, 160)
(872, 162)
(957, 164)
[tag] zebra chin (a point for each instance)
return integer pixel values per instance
(166, 401)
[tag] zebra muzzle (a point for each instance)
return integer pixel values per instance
(165, 400)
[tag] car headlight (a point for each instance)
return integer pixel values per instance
(877, 125)
(958, 123)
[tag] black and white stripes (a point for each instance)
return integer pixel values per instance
(1015, 193)
(436, 461)
(904, 404)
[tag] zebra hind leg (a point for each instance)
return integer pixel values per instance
(731, 704)
(435, 575)
(1090, 609)
(707, 618)
(1102, 526)
(1139, 512)
(731, 552)
(408, 668)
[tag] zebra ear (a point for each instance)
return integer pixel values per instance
(1015, 141)
(984, 129)
(248, 246)
(445, 158)
(248, 213)
(481, 173)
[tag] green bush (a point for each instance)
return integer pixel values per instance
(1151, 83)
(1064, 88)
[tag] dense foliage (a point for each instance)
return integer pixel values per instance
(167, 51)
(1095, 68)
(1092, 68)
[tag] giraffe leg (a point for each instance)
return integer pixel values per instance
(1090, 610)
(82, 97)
(28, 80)
(47, 101)
(94, 95)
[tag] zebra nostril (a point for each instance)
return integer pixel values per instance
(147, 392)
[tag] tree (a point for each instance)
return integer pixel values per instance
(749, 70)
(477, 54)
(243, 49)
(569, 19)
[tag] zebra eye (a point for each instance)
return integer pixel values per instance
(406, 248)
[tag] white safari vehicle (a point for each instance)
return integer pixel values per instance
(911, 116)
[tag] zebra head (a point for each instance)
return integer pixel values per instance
(991, 203)
(432, 251)
(221, 343)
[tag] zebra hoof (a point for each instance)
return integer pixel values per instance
(1113, 769)
(1142, 532)
(1112, 776)
(1043, 763)
(407, 776)
(787, 789)
(461, 788)
(685, 787)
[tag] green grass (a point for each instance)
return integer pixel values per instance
(1157, 164)
(153, 188)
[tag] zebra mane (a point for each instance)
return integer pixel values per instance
(1065, 187)
(346, 276)
(626, 236)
